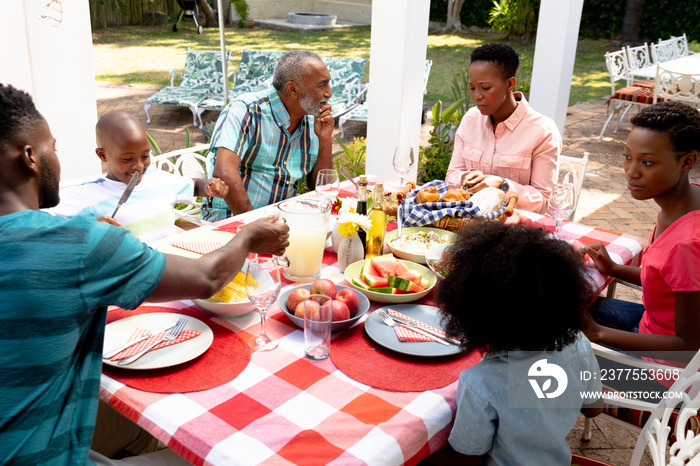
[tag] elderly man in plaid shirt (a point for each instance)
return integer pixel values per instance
(265, 142)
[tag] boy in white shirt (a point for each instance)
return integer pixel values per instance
(148, 213)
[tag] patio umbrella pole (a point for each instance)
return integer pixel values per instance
(222, 39)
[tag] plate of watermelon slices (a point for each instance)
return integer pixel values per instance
(386, 279)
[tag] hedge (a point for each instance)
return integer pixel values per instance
(601, 18)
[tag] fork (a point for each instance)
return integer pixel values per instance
(392, 323)
(171, 335)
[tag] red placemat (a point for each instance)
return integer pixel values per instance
(363, 360)
(227, 356)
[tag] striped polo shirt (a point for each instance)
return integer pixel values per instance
(254, 126)
(57, 276)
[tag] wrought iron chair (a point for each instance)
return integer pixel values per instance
(682, 87)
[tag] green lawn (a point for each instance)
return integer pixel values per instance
(146, 54)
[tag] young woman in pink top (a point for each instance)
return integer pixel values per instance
(660, 152)
(502, 142)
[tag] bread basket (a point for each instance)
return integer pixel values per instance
(453, 224)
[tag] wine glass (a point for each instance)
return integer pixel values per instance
(262, 285)
(561, 203)
(328, 183)
(403, 162)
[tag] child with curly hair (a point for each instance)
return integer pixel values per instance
(517, 295)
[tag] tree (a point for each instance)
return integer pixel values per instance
(631, 22)
(454, 7)
(211, 20)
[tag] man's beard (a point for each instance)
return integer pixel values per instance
(48, 190)
(309, 105)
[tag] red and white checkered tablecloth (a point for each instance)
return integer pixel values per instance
(286, 409)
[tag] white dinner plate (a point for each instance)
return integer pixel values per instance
(385, 336)
(118, 332)
(197, 235)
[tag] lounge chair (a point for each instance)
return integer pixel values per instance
(255, 74)
(360, 112)
(201, 77)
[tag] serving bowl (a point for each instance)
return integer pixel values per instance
(434, 259)
(233, 309)
(336, 326)
(354, 271)
(407, 231)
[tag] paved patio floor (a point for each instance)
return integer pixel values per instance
(604, 201)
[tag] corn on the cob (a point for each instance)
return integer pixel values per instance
(234, 291)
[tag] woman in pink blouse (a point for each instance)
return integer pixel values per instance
(502, 142)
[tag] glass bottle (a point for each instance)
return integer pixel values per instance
(375, 236)
(362, 205)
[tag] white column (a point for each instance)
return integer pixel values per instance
(555, 52)
(397, 67)
(51, 59)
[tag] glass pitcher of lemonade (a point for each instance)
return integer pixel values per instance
(308, 229)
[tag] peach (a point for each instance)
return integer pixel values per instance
(340, 311)
(295, 297)
(324, 286)
(350, 298)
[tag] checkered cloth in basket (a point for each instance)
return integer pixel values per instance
(416, 214)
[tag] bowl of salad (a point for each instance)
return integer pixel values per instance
(415, 242)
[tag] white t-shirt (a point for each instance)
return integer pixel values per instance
(147, 214)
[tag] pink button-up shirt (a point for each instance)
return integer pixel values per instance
(524, 149)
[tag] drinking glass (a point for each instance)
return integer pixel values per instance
(328, 183)
(561, 203)
(262, 294)
(403, 162)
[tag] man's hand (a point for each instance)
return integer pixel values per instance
(108, 219)
(267, 236)
(324, 123)
(216, 188)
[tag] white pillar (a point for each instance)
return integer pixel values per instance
(47, 51)
(397, 67)
(555, 52)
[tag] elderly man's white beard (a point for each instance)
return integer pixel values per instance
(311, 107)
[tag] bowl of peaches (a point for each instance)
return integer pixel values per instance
(348, 305)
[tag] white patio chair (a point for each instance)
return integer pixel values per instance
(682, 87)
(665, 417)
(573, 175)
(621, 100)
(664, 50)
(190, 163)
(638, 57)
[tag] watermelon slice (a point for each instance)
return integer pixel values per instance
(400, 269)
(385, 290)
(360, 283)
(399, 283)
(413, 288)
(384, 265)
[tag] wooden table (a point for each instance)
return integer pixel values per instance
(285, 409)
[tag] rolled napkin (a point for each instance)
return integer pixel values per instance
(407, 335)
(199, 247)
(138, 332)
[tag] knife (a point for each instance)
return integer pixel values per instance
(127, 191)
(413, 326)
(150, 333)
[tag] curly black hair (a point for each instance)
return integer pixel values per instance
(18, 115)
(504, 56)
(679, 122)
(512, 287)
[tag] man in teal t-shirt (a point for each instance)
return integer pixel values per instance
(57, 277)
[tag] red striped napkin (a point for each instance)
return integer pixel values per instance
(138, 332)
(409, 335)
(199, 247)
